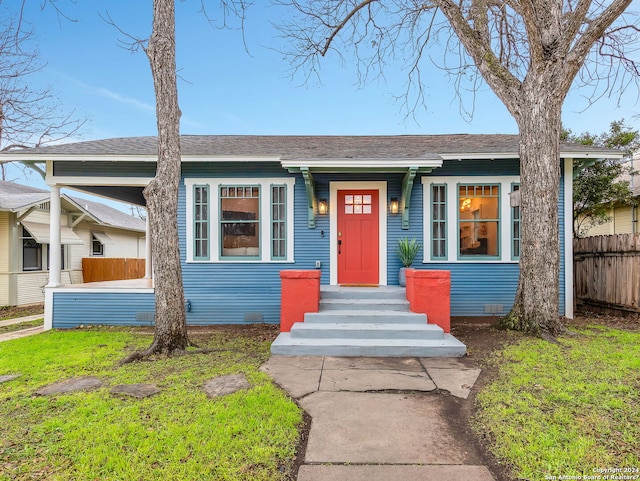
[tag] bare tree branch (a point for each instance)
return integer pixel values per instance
(29, 117)
(528, 51)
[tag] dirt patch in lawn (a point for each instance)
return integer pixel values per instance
(11, 312)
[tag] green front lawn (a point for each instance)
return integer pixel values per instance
(567, 409)
(179, 434)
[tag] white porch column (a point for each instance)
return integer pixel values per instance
(147, 251)
(55, 246)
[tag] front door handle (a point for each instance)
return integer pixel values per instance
(339, 244)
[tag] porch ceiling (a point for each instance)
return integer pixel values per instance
(128, 194)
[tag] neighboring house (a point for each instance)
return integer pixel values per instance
(88, 229)
(252, 206)
(623, 218)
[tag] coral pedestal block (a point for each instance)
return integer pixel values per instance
(300, 294)
(429, 292)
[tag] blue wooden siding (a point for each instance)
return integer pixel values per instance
(237, 292)
(71, 309)
(245, 292)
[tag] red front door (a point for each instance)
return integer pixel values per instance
(358, 237)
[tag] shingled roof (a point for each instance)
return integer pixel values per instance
(16, 197)
(289, 147)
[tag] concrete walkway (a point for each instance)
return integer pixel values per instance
(377, 419)
(22, 332)
(18, 320)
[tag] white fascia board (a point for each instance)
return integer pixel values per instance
(592, 155)
(227, 158)
(516, 155)
(134, 158)
(78, 158)
(480, 156)
(362, 163)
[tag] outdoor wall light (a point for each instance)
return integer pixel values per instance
(322, 207)
(394, 205)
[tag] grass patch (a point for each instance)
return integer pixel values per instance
(565, 409)
(177, 434)
(21, 325)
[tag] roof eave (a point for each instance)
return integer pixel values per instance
(516, 155)
(361, 164)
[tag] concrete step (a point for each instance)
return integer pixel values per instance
(364, 304)
(366, 331)
(287, 345)
(365, 316)
(381, 292)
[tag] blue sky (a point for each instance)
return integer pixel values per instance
(225, 90)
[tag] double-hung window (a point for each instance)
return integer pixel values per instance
(240, 220)
(201, 221)
(470, 219)
(278, 221)
(515, 224)
(439, 221)
(31, 252)
(479, 219)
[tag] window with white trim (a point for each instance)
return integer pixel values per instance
(31, 252)
(438, 221)
(240, 221)
(479, 219)
(201, 221)
(469, 218)
(35, 254)
(515, 226)
(97, 247)
(252, 220)
(278, 221)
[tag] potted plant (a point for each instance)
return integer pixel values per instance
(407, 251)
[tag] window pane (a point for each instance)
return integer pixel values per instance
(278, 222)
(438, 224)
(515, 227)
(240, 221)
(31, 253)
(479, 212)
(201, 222)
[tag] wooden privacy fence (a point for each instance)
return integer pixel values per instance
(607, 272)
(95, 269)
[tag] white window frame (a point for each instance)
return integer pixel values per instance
(95, 240)
(452, 183)
(265, 184)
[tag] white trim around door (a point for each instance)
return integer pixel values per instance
(381, 187)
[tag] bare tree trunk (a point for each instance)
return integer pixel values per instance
(536, 306)
(162, 192)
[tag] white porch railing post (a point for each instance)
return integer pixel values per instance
(55, 245)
